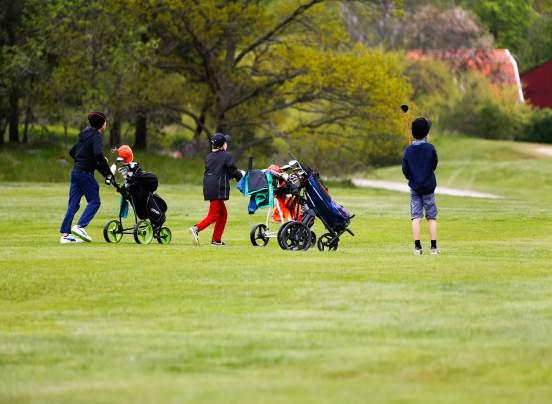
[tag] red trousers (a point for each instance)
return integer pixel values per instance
(218, 215)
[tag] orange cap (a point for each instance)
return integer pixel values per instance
(275, 168)
(125, 152)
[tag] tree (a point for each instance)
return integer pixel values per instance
(96, 53)
(431, 29)
(524, 27)
(10, 21)
(381, 23)
(256, 71)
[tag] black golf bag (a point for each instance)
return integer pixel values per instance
(147, 205)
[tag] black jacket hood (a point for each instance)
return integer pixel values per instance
(87, 133)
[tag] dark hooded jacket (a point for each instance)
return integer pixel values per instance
(219, 168)
(88, 152)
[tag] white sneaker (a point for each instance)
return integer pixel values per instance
(195, 235)
(418, 251)
(435, 251)
(69, 239)
(78, 231)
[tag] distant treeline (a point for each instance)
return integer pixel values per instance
(323, 78)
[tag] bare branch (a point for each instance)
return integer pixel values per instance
(261, 89)
(279, 27)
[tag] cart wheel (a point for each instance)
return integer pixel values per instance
(164, 236)
(295, 236)
(279, 236)
(258, 235)
(113, 231)
(325, 242)
(313, 239)
(143, 232)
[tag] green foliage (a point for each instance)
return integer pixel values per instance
(258, 70)
(522, 26)
(539, 127)
(272, 71)
(467, 102)
(507, 20)
(480, 108)
(373, 134)
(277, 75)
(435, 88)
(98, 52)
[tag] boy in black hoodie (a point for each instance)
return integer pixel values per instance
(418, 166)
(88, 156)
(219, 168)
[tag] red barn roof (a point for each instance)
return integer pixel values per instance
(537, 84)
(496, 64)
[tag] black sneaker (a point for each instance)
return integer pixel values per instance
(217, 243)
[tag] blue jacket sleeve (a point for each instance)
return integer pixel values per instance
(435, 159)
(405, 167)
(101, 161)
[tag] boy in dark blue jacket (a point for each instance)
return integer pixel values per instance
(88, 156)
(418, 166)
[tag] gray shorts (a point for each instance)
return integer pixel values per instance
(419, 203)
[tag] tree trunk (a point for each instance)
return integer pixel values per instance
(220, 109)
(140, 138)
(4, 124)
(28, 114)
(28, 111)
(115, 133)
(14, 116)
(199, 143)
(65, 133)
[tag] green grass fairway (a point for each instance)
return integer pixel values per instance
(368, 323)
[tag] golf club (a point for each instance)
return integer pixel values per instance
(405, 109)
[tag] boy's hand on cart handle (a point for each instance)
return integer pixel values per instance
(108, 179)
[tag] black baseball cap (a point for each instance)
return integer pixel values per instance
(420, 127)
(218, 139)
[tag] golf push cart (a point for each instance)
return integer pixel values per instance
(137, 191)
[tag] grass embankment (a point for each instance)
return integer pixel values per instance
(370, 322)
(54, 165)
(511, 169)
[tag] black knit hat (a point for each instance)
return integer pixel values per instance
(96, 119)
(420, 127)
(219, 139)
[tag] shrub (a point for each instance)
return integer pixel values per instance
(486, 110)
(469, 103)
(539, 127)
(435, 88)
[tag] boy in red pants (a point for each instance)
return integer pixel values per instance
(219, 168)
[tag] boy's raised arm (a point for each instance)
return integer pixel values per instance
(231, 167)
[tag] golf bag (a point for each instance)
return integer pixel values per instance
(147, 205)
